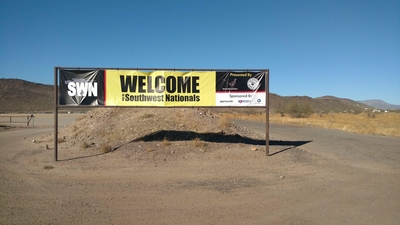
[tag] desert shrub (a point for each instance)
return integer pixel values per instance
(198, 143)
(166, 142)
(300, 111)
(281, 110)
(357, 111)
(321, 113)
(147, 116)
(105, 148)
(84, 145)
(61, 140)
(371, 115)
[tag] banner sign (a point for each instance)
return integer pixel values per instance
(162, 88)
(81, 87)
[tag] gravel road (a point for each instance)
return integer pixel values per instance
(334, 143)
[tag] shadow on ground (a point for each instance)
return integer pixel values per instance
(172, 135)
(291, 144)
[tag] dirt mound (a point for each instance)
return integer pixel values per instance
(117, 127)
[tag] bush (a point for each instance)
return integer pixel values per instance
(84, 145)
(300, 111)
(198, 143)
(166, 142)
(105, 148)
(371, 115)
(281, 110)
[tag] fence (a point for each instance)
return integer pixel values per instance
(12, 119)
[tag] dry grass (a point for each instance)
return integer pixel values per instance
(103, 133)
(61, 140)
(166, 142)
(105, 148)
(147, 116)
(84, 145)
(386, 124)
(224, 122)
(48, 167)
(198, 143)
(151, 152)
(74, 128)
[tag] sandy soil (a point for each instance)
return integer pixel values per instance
(188, 182)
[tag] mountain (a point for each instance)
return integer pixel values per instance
(379, 104)
(19, 96)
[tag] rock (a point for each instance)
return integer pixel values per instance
(282, 177)
(254, 149)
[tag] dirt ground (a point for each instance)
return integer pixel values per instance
(188, 182)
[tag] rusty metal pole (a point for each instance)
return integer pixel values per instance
(55, 114)
(267, 113)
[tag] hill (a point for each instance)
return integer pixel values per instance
(379, 104)
(19, 96)
(318, 105)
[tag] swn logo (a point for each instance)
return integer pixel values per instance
(82, 89)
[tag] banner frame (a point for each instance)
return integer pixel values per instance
(57, 106)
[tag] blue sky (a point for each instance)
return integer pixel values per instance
(348, 49)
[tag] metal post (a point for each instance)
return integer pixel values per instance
(55, 114)
(267, 113)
